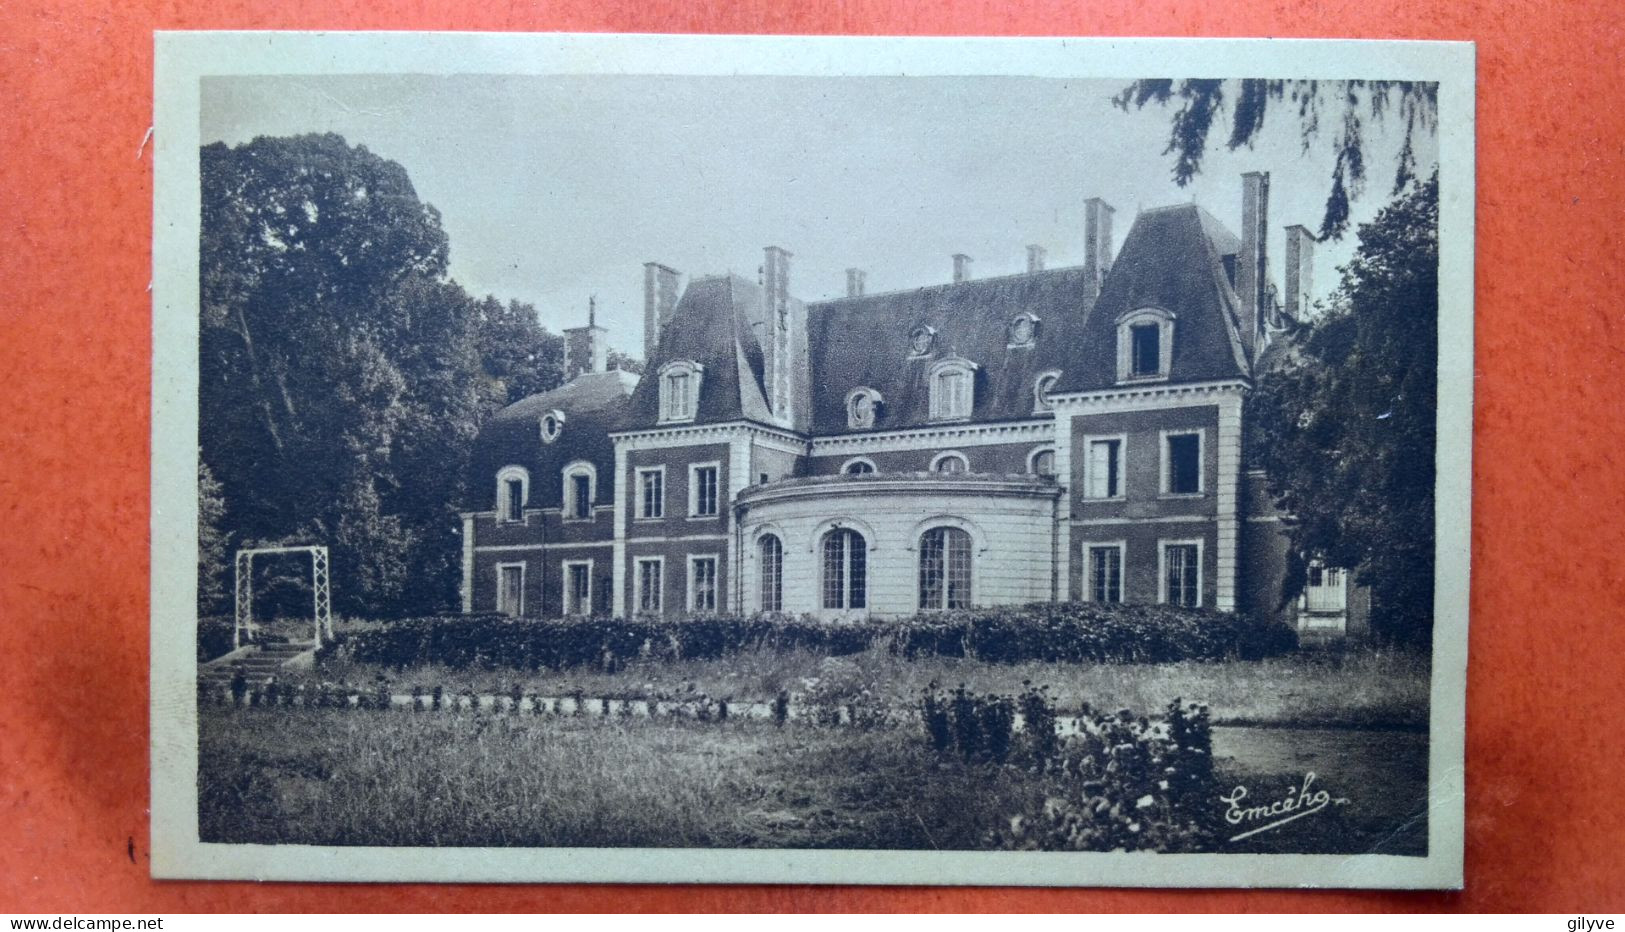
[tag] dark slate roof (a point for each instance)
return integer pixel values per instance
(593, 403)
(711, 325)
(1171, 259)
(864, 341)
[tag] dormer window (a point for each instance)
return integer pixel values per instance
(1042, 386)
(862, 406)
(1023, 331)
(921, 340)
(680, 391)
(513, 492)
(953, 389)
(1145, 341)
(552, 425)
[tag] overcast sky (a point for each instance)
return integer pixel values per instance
(552, 189)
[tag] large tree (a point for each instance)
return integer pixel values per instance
(342, 374)
(1350, 107)
(1343, 419)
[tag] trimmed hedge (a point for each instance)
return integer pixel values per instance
(1064, 632)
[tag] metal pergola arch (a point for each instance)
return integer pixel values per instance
(321, 590)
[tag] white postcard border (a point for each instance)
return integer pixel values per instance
(184, 58)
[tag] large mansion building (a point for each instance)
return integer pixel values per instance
(1060, 434)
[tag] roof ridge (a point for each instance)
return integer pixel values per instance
(940, 285)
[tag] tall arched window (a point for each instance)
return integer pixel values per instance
(771, 559)
(945, 559)
(846, 577)
(513, 493)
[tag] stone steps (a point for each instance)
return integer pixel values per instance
(258, 664)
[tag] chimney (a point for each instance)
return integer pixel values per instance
(584, 347)
(659, 297)
(1252, 266)
(1097, 241)
(781, 345)
(1035, 259)
(961, 267)
(855, 280)
(1300, 262)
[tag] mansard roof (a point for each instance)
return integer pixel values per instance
(865, 341)
(593, 404)
(1172, 259)
(711, 325)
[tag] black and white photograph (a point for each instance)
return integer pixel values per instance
(876, 461)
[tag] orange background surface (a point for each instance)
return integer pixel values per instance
(1544, 822)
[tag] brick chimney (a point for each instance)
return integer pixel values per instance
(1252, 266)
(584, 347)
(1300, 262)
(659, 297)
(961, 267)
(1097, 241)
(855, 280)
(1035, 258)
(782, 345)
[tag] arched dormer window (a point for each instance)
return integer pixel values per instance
(950, 463)
(680, 391)
(1042, 386)
(862, 407)
(1041, 462)
(513, 493)
(858, 466)
(953, 389)
(1145, 343)
(552, 424)
(580, 490)
(1023, 330)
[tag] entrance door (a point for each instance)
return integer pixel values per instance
(511, 588)
(1324, 603)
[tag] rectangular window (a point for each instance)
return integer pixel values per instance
(578, 588)
(677, 395)
(651, 493)
(1182, 474)
(511, 588)
(649, 586)
(514, 505)
(580, 497)
(1146, 358)
(1182, 574)
(1105, 467)
(1106, 574)
(702, 500)
(951, 397)
(702, 584)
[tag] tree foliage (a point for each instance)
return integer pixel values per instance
(1343, 420)
(1350, 106)
(342, 374)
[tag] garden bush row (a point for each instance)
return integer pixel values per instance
(1059, 632)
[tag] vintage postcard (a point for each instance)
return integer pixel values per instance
(811, 460)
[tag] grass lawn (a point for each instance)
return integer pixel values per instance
(1357, 688)
(350, 776)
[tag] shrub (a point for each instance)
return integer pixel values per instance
(1052, 632)
(1124, 782)
(1129, 784)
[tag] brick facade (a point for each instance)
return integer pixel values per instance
(1084, 458)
